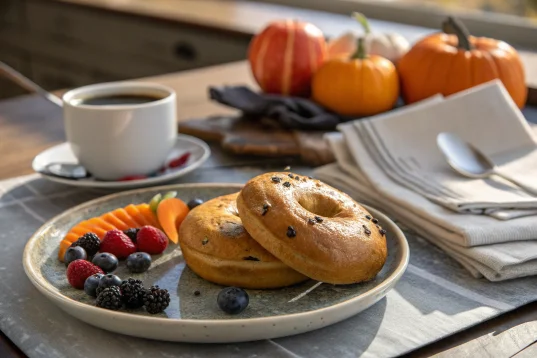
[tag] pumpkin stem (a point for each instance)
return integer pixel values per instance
(360, 51)
(453, 25)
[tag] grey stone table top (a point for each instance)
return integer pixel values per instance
(435, 298)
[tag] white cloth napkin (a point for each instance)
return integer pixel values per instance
(404, 145)
(495, 249)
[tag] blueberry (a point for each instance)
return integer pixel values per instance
(194, 202)
(138, 262)
(74, 253)
(108, 280)
(233, 300)
(106, 261)
(91, 284)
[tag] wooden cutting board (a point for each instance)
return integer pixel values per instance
(240, 135)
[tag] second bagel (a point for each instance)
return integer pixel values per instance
(216, 246)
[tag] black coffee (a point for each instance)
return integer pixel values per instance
(119, 99)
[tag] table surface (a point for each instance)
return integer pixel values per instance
(29, 124)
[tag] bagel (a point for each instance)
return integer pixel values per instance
(314, 228)
(216, 246)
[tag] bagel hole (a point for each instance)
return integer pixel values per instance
(320, 205)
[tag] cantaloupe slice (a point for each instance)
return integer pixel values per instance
(171, 213)
(124, 216)
(149, 215)
(136, 214)
(115, 221)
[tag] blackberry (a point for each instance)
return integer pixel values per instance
(110, 298)
(156, 299)
(131, 233)
(132, 293)
(89, 242)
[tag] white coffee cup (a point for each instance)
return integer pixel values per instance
(113, 141)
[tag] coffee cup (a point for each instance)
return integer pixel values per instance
(120, 129)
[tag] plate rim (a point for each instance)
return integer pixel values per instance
(51, 290)
(132, 184)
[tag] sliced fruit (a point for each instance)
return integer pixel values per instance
(115, 221)
(153, 204)
(124, 216)
(170, 194)
(100, 223)
(171, 213)
(149, 215)
(132, 216)
(135, 213)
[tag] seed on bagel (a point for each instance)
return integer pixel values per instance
(287, 184)
(205, 241)
(366, 230)
(319, 219)
(311, 221)
(276, 179)
(290, 176)
(383, 232)
(368, 217)
(291, 232)
(266, 206)
(375, 221)
(297, 177)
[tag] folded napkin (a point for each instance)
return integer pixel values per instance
(486, 246)
(289, 112)
(404, 145)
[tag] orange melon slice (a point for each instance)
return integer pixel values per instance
(124, 216)
(132, 210)
(149, 215)
(115, 221)
(171, 213)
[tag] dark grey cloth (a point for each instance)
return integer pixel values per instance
(289, 112)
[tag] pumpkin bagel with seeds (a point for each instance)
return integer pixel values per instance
(314, 228)
(216, 246)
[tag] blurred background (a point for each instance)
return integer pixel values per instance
(69, 43)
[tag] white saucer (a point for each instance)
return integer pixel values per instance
(199, 153)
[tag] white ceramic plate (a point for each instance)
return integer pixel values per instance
(197, 318)
(61, 153)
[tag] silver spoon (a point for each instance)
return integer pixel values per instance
(28, 84)
(469, 161)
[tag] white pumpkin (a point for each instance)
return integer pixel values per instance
(388, 45)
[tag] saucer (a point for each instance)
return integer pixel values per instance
(199, 153)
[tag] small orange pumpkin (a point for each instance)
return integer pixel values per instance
(453, 61)
(362, 85)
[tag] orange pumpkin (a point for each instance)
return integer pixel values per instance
(453, 61)
(362, 85)
(284, 56)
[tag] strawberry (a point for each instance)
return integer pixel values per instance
(79, 270)
(151, 240)
(117, 243)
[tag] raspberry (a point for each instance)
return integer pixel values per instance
(79, 270)
(151, 240)
(89, 242)
(118, 244)
(156, 299)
